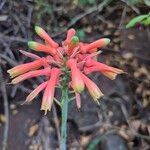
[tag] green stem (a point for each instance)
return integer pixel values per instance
(64, 114)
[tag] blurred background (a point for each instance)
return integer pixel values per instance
(122, 120)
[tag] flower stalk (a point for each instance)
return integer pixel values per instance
(64, 114)
(64, 106)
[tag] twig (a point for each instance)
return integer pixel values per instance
(13, 38)
(6, 111)
(2, 4)
(30, 10)
(148, 33)
(91, 127)
(122, 17)
(56, 122)
(20, 24)
(131, 6)
(9, 60)
(125, 113)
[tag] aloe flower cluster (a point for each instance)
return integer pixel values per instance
(67, 64)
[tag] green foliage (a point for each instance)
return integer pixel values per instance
(138, 2)
(84, 2)
(135, 2)
(147, 2)
(81, 34)
(93, 144)
(142, 19)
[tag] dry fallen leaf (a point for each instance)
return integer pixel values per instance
(33, 129)
(2, 118)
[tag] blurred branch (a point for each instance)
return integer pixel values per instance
(13, 38)
(56, 122)
(6, 110)
(131, 6)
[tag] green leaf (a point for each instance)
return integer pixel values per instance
(134, 2)
(91, 1)
(80, 33)
(146, 22)
(93, 144)
(147, 2)
(84, 2)
(136, 20)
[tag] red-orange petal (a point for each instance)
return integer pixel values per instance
(41, 48)
(71, 32)
(36, 91)
(77, 82)
(23, 68)
(50, 90)
(94, 45)
(31, 74)
(78, 100)
(43, 34)
(93, 89)
(108, 71)
(28, 54)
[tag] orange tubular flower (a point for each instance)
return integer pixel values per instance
(36, 91)
(31, 74)
(93, 89)
(42, 33)
(41, 48)
(20, 69)
(72, 60)
(108, 71)
(94, 45)
(70, 34)
(77, 82)
(71, 41)
(50, 90)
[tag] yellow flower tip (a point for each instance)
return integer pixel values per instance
(12, 76)
(38, 29)
(9, 71)
(13, 73)
(14, 81)
(45, 112)
(79, 89)
(97, 96)
(32, 44)
(97, 100)
(101, 95)
(45, 108)
(107, 41)
(112, 74)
